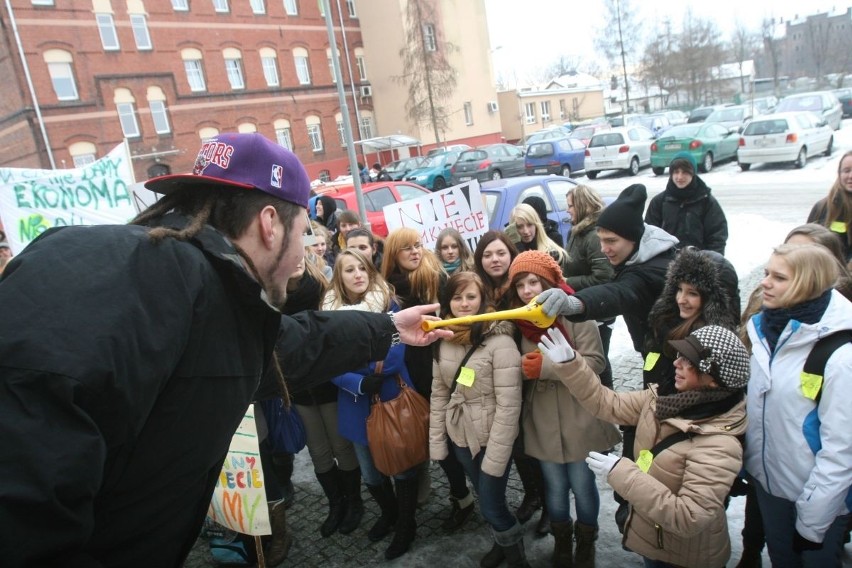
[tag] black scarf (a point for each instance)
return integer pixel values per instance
(773, 321)
(697, 404)
(695, 190)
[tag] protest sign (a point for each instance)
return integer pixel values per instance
(459, 207)
(239, 499)
(33, 200)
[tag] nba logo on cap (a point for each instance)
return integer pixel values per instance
(277, 174)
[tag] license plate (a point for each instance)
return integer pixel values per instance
(605, 163)
(672, 146)
(464, 178)
(762, 142)
(540, 170)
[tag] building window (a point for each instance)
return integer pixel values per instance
(362, 66)
(61, 74)
(194, 70)
(529, 112)
(42, 2)
(258, 6)
(429, 42)
(341, 134)
(350, 5)
(331, 70)
(269, 62)
(83, 160)
(545, 111)
(125, 103)
(208, 132)
(140, 31)
(366, 127)
(321, 6)
(234, 68)
(180, 5)
(220, 5)
(106, 27)
(468, 113)
(314, 133)
(303, 72)
(561, 108)
(291, 7)
(160, 118)
(246, 128)
(283, 134)
(83, 153)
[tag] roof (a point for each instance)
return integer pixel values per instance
(388, 142)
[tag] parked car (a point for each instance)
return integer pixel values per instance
(546, 134)
(376, 196)
(623, 120)
(845, 98)
(501, 196)
(822, 103)
(732, 117)
(707, 142)
(585, 133)
(434, 174)
(656, 123)
(676, 117)
(563, 156)
(700, 114)
(763, 105)
(784, 137)
(494, 161)
(397, 170)
(619, 149)
(448, 148)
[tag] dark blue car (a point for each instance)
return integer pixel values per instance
(562, 156)
(501, 196)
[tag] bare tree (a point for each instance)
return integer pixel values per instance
(744, 43)
(658, 59)
(699, 51)
(430, 77)
(772, 50)
(619, 38)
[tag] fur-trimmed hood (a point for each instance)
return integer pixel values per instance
(499, 327)
(715, 279)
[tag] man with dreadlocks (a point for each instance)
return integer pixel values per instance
(129, 354)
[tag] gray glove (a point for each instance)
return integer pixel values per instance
(556, 302)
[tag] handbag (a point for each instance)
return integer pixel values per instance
(398, 429)
(286, 429)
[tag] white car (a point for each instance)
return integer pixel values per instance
(619, 149)
(784, 137)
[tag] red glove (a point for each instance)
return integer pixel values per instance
(531, 365)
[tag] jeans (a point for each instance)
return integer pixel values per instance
(560, 479)
(779, 523)
(491, 490)
(369, 473)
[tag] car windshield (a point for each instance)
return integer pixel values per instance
(683, 131)
(540, 150)
(763, 127)
(726, 115)
(812, 103)
(435, 161)
(472, 156)
(608, 139)
(583, 133)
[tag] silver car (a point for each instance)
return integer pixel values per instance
(821, 103)
(784, 137)
(619, 149)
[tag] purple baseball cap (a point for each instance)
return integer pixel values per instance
(246, 161)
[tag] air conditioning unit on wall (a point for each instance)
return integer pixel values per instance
(366, 91)
(492, 106)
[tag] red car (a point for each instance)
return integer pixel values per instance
(376, 196)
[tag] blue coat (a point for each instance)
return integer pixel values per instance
(353, 408)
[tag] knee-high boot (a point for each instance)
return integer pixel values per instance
(351, 482)
(584, 555)
(563, 548)
(332, 487)
(406, 526)
(386, 499)
(279, 543)
(512, 543)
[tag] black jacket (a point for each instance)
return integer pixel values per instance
(691, 214)
(125, 368)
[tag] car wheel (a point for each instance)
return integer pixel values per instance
(744, 167)
(830, 146)
(658, 171)
(566, 170)
(802, 158)
(496, 174)
(706, 163)
(592, 174)
(634, 166)
(440, 183)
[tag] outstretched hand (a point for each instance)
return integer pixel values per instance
(408, 325)
(556, 302)
(556, 347)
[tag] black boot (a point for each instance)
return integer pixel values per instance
(461, 511)
(542, 527)
(527, 467)
(332, 486)
(282, 467)
(563, 548)
(354, 504)
(512, 543)
(493, 558)
(385, 498)
(406, 526)
(751, 558)
(586, 535)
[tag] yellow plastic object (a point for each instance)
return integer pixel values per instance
(532, 313)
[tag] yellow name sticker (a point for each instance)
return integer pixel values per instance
(644, 460)
(466, 377)
(651, 360)
(838, 226)
(810, 385)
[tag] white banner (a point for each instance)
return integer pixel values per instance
(32, 201)
(239, 499)
(459, 207)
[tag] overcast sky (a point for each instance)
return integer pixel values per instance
(534, 33)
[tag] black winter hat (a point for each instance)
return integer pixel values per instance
(538, 204)
(624, 215)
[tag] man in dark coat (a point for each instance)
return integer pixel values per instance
(129, 355)
(687, 210)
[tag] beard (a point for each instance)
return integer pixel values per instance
(276, 292)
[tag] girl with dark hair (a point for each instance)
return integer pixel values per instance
(492, 258)
(835, 210)
(476, 404)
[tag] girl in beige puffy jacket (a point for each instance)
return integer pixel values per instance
(477, 404)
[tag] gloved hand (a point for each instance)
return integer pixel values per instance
(531, 364)
(371, 384)
(555, 302)
(601, 464)
(801, 544)
(556, 347)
